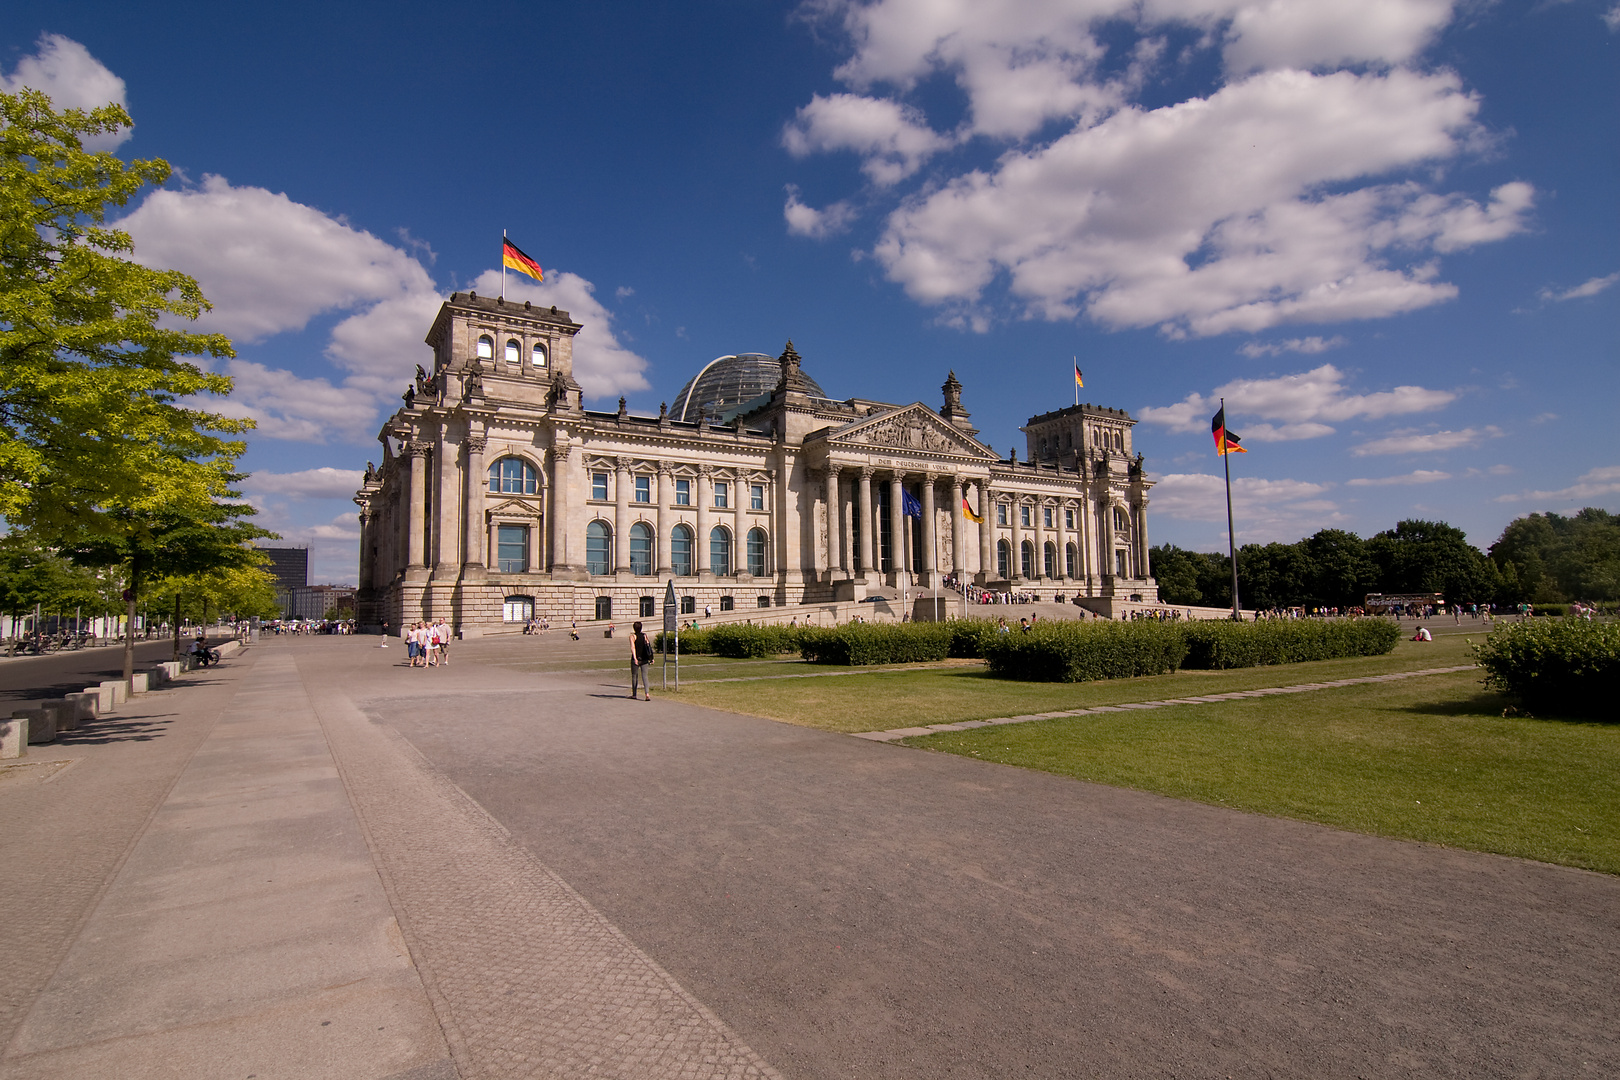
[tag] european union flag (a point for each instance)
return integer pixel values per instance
(909, 504)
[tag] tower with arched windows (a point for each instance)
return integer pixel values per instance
(500, 496)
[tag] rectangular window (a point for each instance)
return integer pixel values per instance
(599, 485)
(512, 548)
(1046, 516)
(1023, 516)
(643, 489)
(756, 496)
(722, 494)
(1001, 513)
(683, 493)
(1068, 519)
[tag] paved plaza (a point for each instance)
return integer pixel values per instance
(315, 862)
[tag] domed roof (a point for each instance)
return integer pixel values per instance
(727, 382)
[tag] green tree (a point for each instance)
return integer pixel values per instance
(1342, 572)
(91, 390)
(1431, 556)
(1555, 558)
(1177, 574)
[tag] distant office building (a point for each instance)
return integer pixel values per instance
(314, 601)
(290, 565)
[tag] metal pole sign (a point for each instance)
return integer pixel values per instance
(672, 629)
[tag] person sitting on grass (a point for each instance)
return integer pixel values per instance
(1423, 634)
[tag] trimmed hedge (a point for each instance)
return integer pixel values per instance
(744, 640)
(1215, 645)
(1556, 667)
(1081, 652)
(693, 642)
(860, 644)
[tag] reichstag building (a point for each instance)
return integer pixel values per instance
(500, 496)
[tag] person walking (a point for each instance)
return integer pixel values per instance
(443, 630)
(641, 658)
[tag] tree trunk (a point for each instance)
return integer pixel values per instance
(176, 655)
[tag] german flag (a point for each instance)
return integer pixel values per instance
(1079, 380)
(512, 256)
(968, 510)
(1226, 442)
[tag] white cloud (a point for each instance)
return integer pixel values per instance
(65, 70)
(1263, 510)
(1306, 403)
(1434, 442)
(624, 291)
(322, 483)
(1253, 207)
(267, 263)
(1594, 484)
(1589, 287)
(1416, 476)
(1307, 345)
(893, 139)
(1611, 19)
(284, 405)
(602, 366)
(805, 220)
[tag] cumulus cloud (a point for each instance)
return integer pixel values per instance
(1416, 476)
(1308, 345)
(1611, 19)
(1594, 484)
(1268, 509)
(1264, 203)
(1589, 287)
(322, 483)
(602, 366)
(65, 70)
(1431, 443)
(805, 220)
(284, 405)
(1307, 404)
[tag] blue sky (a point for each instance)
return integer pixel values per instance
(1386, 231)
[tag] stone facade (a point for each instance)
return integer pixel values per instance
(499, 494)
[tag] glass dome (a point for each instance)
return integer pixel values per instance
(726, 382)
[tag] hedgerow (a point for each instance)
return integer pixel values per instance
(743, 640)
(1081, 652)
(1289, 641)
(693, 642)
(860, 644)
(1556, 667)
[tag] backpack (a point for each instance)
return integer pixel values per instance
(644, 649)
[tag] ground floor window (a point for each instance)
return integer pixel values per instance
(688, 605)
(1026, 558)
(512, 548)
(1050, 556)
(647, 605)
(764, 601)
(518, 609)
(1071, 560)
(1003, 560)
(604, 607)
(1119, 563)
(728, 603)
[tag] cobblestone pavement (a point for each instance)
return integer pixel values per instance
(529, 979)
(891, 734)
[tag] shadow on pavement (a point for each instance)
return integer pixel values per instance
(142, 729)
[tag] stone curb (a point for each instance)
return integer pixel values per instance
(963, 725)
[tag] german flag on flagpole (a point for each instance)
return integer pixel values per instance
(968, 510)
(1226, 442)
(1079, 380)
(512, 256)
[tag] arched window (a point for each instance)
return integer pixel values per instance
(513, 476)
(720, 551)
(756, 552)
(680, 551)
(514, 352)
(1050, 559)
(486, 347)
(1122, 520)
(1072, 561)
(1026, 558)
(1003, 560)
(537, 356)
(641, 549)
(598, 548)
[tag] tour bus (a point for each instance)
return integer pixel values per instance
(1403, 603)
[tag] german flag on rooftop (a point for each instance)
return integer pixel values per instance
(512, 256)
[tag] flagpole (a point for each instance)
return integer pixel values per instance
(1077, 385)
(503, 264)
(1231, 538)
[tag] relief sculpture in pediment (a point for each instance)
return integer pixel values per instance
(909, 434)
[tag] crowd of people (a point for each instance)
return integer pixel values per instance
(427, 644)
(282, 627)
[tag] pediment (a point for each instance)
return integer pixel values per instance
(912, 429)
(521, 507)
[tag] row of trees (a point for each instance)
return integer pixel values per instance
(1542, 558)
(106, 461)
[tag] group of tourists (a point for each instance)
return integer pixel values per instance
(427, 644)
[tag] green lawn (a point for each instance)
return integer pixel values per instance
(1428, 759)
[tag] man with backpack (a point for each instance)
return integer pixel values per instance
(641, 658)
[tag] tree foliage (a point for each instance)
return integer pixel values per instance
(94, 413)
(1553, 559)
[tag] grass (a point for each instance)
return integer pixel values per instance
(860, 699)
(1431, 759)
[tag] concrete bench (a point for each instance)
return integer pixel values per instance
(14, 737)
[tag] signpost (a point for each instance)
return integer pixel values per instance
(672, 633)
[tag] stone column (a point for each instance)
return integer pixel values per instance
(1062, 539)
(958, 557)
(705, 496)
(1015, 563)
(1038, 519)
(1142, 568)
(929, 527)
(987, 532)
(448, 526)
(561, 549)
(472, 558)
(416, 517)
(866, 522)
(661, 546)
(833, 519)
(621, 516)
(1105, 535)
(366, 562)
(897, 527)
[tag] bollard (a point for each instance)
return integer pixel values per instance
(13, 737)
(138, 683)
(120, 692)
(64, 713)
(83, 705)
(41, 725)
(103, 698)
